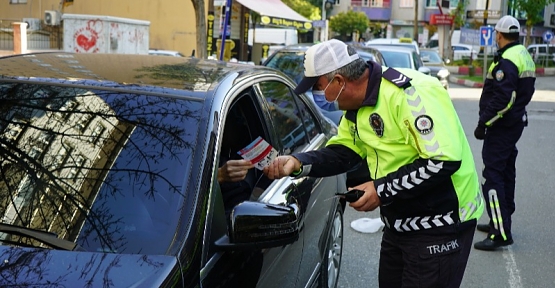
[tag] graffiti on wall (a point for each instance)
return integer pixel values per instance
(86, 39)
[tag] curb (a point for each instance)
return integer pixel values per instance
(464, 82)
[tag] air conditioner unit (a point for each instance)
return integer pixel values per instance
(52, 18)
(32, 23)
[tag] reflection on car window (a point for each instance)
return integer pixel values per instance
(290, 63)
(286, 118)
(103, 169)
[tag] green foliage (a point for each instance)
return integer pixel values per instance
(458, 14)
(305, 8)
(532, 10)
(348, 22)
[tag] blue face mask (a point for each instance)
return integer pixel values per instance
(319, 97)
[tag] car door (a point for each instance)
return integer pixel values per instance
(291, 115)
(272, 267)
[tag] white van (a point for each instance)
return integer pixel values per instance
(540, 51)
(434, 40)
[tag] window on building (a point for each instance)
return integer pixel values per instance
(376, 3)
(406, 4)
(431, 3)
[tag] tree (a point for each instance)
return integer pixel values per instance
(346, 23)
(200, 17)
(534, 12)
(458, 22)
(305, 8)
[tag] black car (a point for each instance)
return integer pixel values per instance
(290, 59)
(109, 176)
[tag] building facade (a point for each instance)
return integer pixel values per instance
(172, 22)
(397, 17)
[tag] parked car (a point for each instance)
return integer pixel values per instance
(432, 60)
(402, 57)
(109, 176)
(290, 59)
(165, 53)
(461, 51)
(401, 42)
(540, 52)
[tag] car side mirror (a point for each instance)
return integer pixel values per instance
(425, 70)
(255, 225)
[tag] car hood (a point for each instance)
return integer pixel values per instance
(31, 267)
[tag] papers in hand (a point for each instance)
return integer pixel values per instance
(259, 152)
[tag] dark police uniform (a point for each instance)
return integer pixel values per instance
(507, 90)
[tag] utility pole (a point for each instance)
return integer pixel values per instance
(323, 35)
(415, 32)
(484, 66)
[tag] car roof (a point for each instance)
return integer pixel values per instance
(394, 48)
(130, 70)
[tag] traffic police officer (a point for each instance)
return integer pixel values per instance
(507, 90)
(426, 183)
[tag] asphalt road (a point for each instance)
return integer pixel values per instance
(530, 261)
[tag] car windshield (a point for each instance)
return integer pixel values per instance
(397, 59)
(430, 56)
(100, 168)
(290, 63)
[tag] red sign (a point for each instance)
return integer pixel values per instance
(441, 19)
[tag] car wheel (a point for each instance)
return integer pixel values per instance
(329, 273)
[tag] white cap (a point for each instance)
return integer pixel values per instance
(322, 59)
(507, 24)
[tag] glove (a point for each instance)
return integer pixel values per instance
(480, 131)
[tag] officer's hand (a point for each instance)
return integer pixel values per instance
(281, 167)
(369, 201)
(480, 132)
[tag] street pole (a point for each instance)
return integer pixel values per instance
(224, 32)
(415, 32)
(323, 34)
(484, 67)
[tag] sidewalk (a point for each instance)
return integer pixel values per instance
(457, 72)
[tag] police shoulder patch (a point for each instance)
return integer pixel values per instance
(424, 124)
(499, 75)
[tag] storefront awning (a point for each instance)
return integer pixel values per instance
(275, 13)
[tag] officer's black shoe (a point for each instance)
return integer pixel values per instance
(483, 227)
(490, 245)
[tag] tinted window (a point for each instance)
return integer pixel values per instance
(105, 170)
(290, 63)
(287, 119)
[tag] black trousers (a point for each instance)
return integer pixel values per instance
(426, 259)
(499, 154)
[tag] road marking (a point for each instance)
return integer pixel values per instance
(474, 93)
(512, 269)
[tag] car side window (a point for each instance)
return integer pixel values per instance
(541, 49)
(293, 124)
